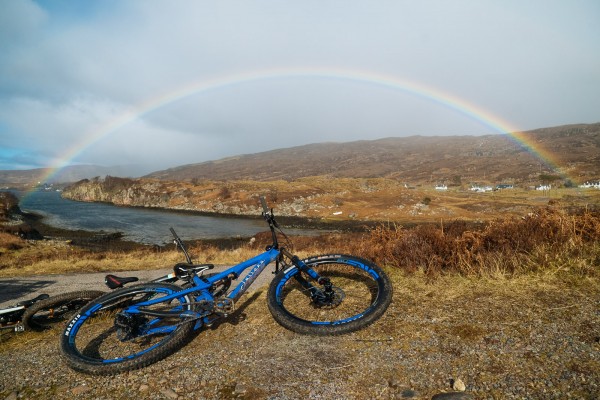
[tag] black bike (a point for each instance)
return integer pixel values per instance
(43, 311)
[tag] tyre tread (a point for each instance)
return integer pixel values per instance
(176, 340)
(297, 325)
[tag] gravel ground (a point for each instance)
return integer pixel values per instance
(504, 339)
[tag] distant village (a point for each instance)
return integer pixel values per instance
(505, 186)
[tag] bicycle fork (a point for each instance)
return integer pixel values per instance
(328, 295)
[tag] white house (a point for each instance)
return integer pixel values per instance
(480, 189)
(589, 185)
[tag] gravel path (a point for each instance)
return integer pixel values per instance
(22, 288)
(502, 339)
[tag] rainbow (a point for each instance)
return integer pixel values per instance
(434, 95)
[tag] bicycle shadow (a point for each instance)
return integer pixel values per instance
(18, 289)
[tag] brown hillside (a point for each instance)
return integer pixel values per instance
(574, 149)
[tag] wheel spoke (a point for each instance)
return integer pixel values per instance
(110, 336)
(350, 294)
(358, 292)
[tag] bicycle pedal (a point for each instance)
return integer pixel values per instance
(19, 327)
(224, 306)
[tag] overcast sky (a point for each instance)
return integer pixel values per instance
(166, 83)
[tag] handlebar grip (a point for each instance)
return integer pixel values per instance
(263, 202)
(173, 233)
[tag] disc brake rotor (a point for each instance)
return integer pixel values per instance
(330, 299)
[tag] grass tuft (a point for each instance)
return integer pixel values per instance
(550, 240)
(547, 240)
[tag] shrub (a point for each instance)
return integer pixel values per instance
(510, 245)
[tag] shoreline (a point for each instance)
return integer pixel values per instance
(285, 221)
(93, 240)
(34, 227)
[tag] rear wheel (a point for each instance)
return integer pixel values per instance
(103, 339)
(46, 313)
(351, 294)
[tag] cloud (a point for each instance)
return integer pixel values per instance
(68, 72)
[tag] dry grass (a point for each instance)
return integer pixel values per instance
(330, 199)
(548, 240)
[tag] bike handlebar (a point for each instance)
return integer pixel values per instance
(270, 218)
(263, 202)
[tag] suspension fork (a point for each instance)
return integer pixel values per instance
(308, 286)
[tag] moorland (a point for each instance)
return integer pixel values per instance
(498, 288)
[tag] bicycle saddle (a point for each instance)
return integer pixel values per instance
(113, 281)
(185, 270)
(27, 303)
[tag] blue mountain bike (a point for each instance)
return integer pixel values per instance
(135, 326)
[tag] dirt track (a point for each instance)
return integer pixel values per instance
(506, 339)
(21, 288)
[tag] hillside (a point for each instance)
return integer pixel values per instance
(452, 160)
(382, 180)
(73, 173)
(434, 159)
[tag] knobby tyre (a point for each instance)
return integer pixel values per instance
(54, 310)
(103, 340)
(361, 294)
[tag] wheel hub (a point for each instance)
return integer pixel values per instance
(128, 326)
(329, 298)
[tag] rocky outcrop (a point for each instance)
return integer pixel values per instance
(209, 197)
(300, 199)
(12, 219)
(9, 206)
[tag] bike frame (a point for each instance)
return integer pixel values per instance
(256, 266)
(201, 285)
(17, 311)
(11, 312)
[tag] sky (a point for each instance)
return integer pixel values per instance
(159, 83)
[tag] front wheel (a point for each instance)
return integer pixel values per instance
(351, 294)
(46, 313)
(112, 335)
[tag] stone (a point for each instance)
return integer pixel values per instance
(459, 385)
(240, 388)
(169, 393)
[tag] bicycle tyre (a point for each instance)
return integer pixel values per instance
(44, 314)
(363, 293)
(91, 341)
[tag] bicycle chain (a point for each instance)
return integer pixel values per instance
(187, 319)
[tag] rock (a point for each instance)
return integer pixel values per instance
(240, 388)
(169, 393)
(459, 385)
